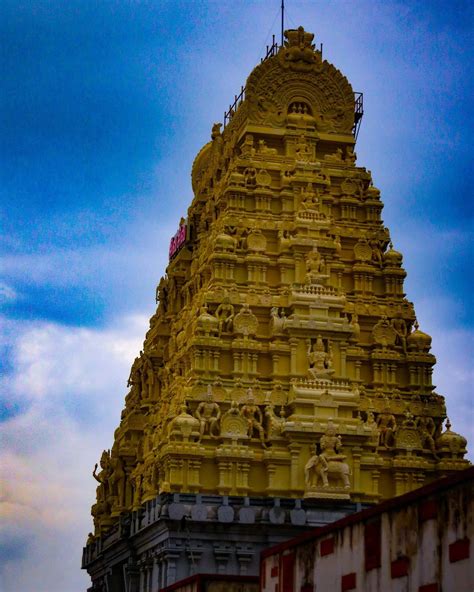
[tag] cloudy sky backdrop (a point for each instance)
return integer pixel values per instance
(104, 106)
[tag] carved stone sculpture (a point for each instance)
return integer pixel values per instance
(320, 360)
(208, 413)
(328, 468)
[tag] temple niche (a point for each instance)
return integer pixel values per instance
(284, 359)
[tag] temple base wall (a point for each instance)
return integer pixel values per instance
(178, 535)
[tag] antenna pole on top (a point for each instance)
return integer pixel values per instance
(282, 19)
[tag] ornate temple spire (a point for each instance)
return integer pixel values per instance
(284, 359)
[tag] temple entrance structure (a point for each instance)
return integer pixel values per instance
(284, 381)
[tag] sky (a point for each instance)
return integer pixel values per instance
(104, 106)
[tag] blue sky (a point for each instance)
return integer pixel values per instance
(104, 106)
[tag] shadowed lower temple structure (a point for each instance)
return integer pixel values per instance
(284, 382)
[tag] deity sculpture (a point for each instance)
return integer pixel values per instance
(302, 150)
(103, 477)
(208, 413)
(274, 424)
(264, 149)
(320, 361)
(253, 416)
(401, 330)
(225, 315)
(427, 429)
(355, 327)
(136, 479)
(387, 425)
(329, 466)
(315, 266)
(117, 480)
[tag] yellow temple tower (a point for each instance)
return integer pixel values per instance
(284, 363)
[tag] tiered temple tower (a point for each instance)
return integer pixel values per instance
(284, 370)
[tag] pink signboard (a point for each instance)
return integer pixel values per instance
(178, 240)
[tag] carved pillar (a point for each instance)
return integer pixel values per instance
(171, 557)
(299, 268)
(193, 475)
(237, 356)
(358, 365)
(343, 351)
(155, 581)
(295, 469)
(356, 454)
(271, 470)
(225, 476)
(399, 483)
(222, 553)
(293, 351)
(245, 553)
(242, 470)
(132, 576)
(275, 360)
(375, 481)
(253, 363)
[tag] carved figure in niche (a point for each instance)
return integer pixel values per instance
(250, 176)
(175, 294)
(336, 157)
(303, 150)
(217, 146)
(208, 413)
(377, 246)
(355, 328)
(274, 424)
(309, 198)
(162, 294)
(147, 378)
(427, 428)
(264, 149)
(136, 479)
(117, 480)
(102, 478)
(323, 178)
(371, 425)
(387, 426)
(247, 149)
(284, 238)
(225, 315)
(149, 480)
(253, 416)
(315, 266)
(277, 320)
(351, 156)
(329, 466)
(401, 330)
(286, 176)
(135, 376)
(338, 244)
(320, 361)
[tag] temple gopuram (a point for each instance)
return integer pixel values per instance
(284, 382)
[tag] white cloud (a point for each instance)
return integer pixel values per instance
(7, 293)
(49, 450)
